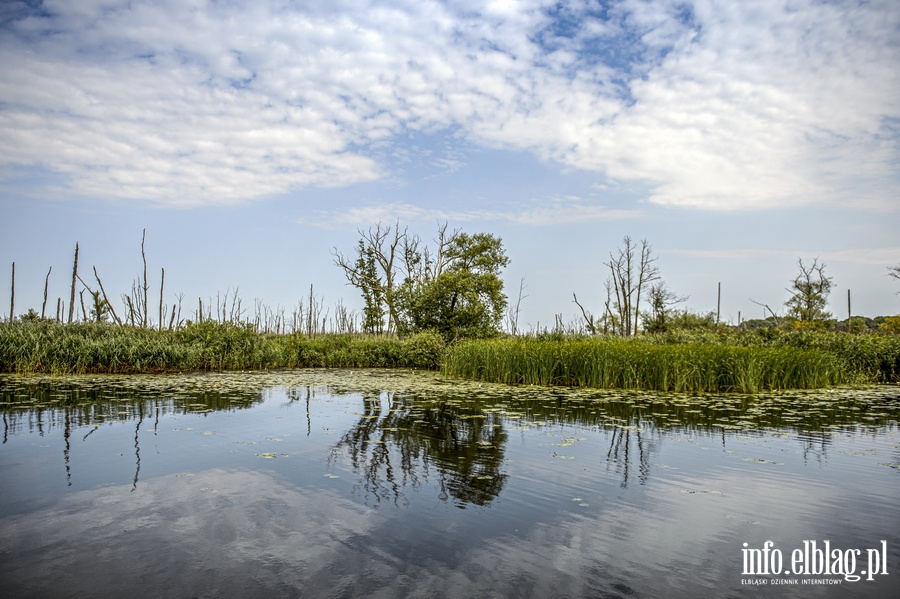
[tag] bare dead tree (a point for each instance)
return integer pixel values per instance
(588, 317)
(443, 254)
(344, 319)
(236, 314)
(258, 308)
(316, 314)
(131, 310)
(74, 280)
(375, 269)
(558, 326)
(609, 319)
(12, 294)
(83, 309)
(630, 276)
(162, 284)
(297, 317)
(46, 287)
(512, 315)
(177, 319)
(112, 310)
(222, 305)
(135, 303)
(310, 325)
(766, 306)
(145, 299)
(718, 304)
(229, 310)
(648, 273)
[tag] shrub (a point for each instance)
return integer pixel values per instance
(891, 324)
(424, 350)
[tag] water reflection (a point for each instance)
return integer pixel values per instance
(396, 437)
(138, 486)
(456, 431)
(42, 405)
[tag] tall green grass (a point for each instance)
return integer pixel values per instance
(865, 357)
(743, 361)
(51, 347)
(43, 346)
(633, 364)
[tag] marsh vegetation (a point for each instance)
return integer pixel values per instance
(748, 361)
(441, 305)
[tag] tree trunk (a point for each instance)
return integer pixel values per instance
(74, 280)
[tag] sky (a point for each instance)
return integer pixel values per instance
(252, 139)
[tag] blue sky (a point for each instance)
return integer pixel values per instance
(251, 138)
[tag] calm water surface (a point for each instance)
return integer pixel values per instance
(391, 484)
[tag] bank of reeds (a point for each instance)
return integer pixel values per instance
(43, 346)
(745, 362)
(639, 364)
(865, 357)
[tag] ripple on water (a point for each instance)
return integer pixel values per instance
(563, 492)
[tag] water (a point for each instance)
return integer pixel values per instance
(391, 484)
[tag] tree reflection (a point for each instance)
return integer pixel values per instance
(43, 405)
(396, 440)
(67, 450)
(137, 446)
(624, 442)
(296, 394)
(448, 434)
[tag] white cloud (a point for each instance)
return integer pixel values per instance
(551, 211)
(716, 104)
(763, 105)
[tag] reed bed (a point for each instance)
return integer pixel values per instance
(50, 347)
(633, 364)
(746, 362)
(869, 357)
(45, 346)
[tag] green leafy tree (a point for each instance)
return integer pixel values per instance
(100, 308)
(373, 293)
(809, 293)
(459, 293)
(453, 287)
